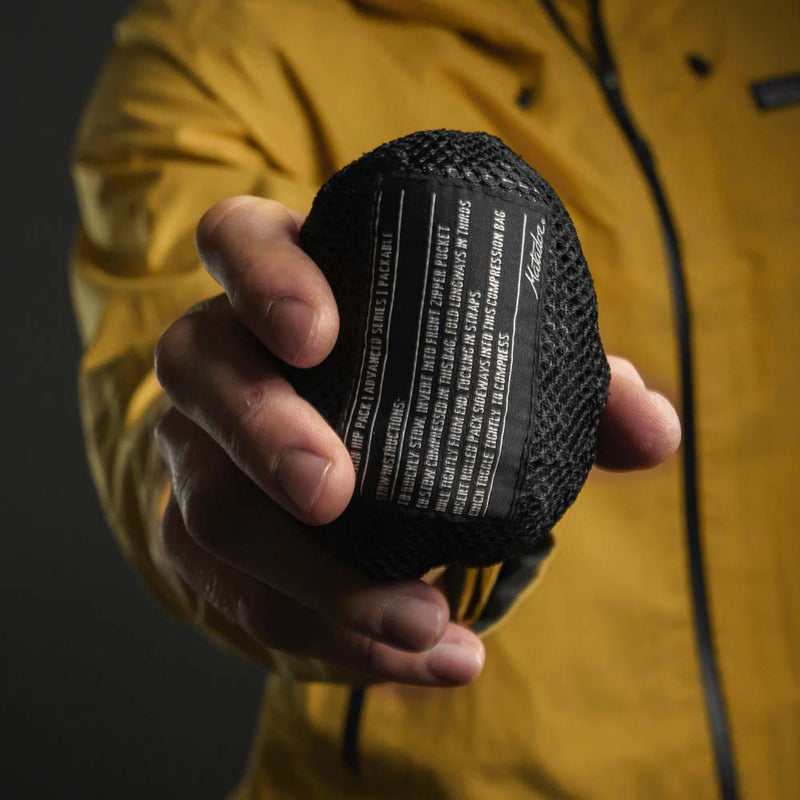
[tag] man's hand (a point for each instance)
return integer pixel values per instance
(254, 467)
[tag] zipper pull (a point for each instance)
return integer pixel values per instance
(610, 80)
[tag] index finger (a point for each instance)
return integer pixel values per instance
(250, 245)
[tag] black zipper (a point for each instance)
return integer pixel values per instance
(350, 750)
(453, 579)
(606, 73)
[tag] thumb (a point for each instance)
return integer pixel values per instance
(639, 427)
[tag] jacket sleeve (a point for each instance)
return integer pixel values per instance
(156, 147)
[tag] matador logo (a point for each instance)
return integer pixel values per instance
(533, 272)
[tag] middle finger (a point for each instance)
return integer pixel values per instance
(220, 376)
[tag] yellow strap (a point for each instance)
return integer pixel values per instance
(478, 585)
(467, 588)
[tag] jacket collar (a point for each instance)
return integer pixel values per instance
(502, 23)
(516, 25)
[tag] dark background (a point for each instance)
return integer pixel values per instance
(102, 694)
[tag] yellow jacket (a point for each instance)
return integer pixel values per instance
(592, 686)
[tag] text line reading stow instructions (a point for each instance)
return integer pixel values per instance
(442, 404)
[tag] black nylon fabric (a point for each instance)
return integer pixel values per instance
(572, 372)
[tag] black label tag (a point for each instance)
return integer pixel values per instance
(777, 92)
(441, 411)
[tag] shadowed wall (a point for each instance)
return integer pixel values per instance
(102, 694)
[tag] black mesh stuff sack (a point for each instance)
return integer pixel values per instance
(468, 378)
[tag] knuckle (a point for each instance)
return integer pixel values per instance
(247, 616)
(199, 516)
(283, 218)
(215, 588)
(252, 399)
(261, 407)
(189, 342)
(342, 605)
(252, 614)
(236, 281)
(165, 427)
(169, 532)
(248, 290)
(212, 224)
(258, 419)
(204, 306)
(168, 354)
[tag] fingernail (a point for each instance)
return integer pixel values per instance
(290, 323)
(300, 475)
(411, 622)
(453, 663)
